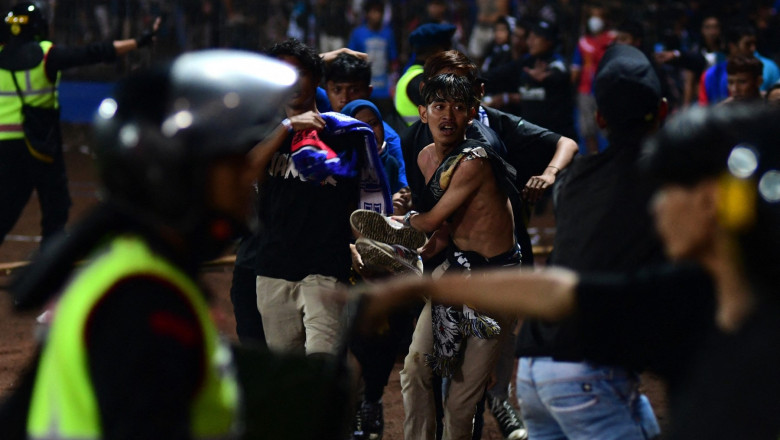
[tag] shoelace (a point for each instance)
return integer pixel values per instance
(506, 418)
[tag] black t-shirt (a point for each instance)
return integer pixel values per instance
(733, 390)
(655, 318)
(662, 318)
(529, 147)
(602, 224)
(145, 350)
(304, 225)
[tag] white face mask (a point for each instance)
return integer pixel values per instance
(595, 25)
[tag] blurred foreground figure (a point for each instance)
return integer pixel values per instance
(132, 351)
(709, 316)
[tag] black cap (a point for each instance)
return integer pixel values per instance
(546, 29)
(626, 86)
(432, 34)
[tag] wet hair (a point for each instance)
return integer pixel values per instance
(348, 68)
(309, 59)
(449, 87)
(745, 64)
(451, 59)
(455, 60)
(697, 145)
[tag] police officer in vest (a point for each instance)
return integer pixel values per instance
(131, 351)
(30, 67)
(426, 40)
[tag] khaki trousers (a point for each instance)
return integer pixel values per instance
(467, 385)
(296, 317)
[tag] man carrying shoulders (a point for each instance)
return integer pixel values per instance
(467, 209)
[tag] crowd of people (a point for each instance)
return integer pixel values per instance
(405, 164)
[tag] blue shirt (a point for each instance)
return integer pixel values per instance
(381, 50)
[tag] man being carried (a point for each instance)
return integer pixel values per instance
(467, 209)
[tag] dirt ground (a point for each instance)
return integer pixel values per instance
(17, 341)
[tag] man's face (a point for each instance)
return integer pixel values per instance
(537, 44)
(341, 93)
(303, 99)
(685, 219)
(746, 46)
(501, 33)
(368, 116)
(743, 85)
(447, 120)
(374, 18)
(402, 201)
(710, 29)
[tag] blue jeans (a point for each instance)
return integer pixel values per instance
(572, 400)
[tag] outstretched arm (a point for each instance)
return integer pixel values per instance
(564, 153)
(547, 294)
(123, 47)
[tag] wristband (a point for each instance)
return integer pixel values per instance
(408, 218)
(555, 168)
(287, 125)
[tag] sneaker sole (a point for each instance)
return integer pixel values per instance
(518, 434)
(376, 258)
(375, 226)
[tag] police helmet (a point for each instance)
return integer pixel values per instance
(155, 138)
(27, 20)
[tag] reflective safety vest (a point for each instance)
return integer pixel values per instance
(64, 405)
(36, 89)
(403, 105)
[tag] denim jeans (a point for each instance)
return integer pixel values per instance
(578, 400)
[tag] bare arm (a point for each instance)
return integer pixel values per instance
(123, 47)
(564, 153)
(465, 181)
(437, 242)
(547, 294)
(330, 56)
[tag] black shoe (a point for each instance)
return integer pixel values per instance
(509, 422)
(370, 423)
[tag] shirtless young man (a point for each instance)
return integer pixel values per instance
(467, 209)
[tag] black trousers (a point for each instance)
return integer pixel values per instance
(20, 173)
(377, 353)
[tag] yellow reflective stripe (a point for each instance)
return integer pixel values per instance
(63, 398)
(34, 86)
(405, 107)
